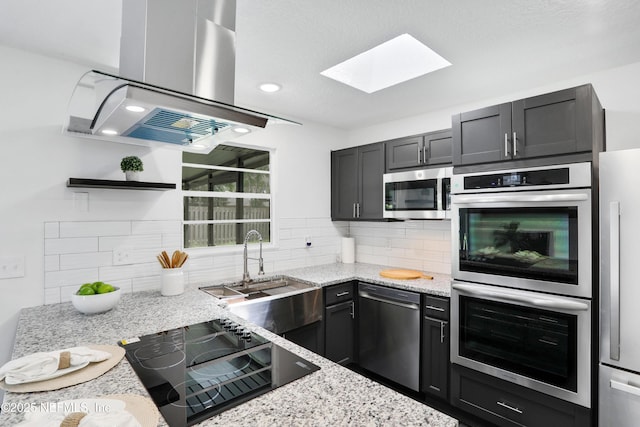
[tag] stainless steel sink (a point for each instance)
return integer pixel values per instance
(237, 293)
(278, 304)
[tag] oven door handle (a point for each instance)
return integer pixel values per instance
(505, 296)
(501, 198)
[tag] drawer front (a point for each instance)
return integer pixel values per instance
(506, 404)
(338, 293)
(435, 307)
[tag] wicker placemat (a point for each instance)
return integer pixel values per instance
(140, 407)
(90, 372)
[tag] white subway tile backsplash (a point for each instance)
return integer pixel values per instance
(292, 223)
(156, 227)
(51, 230)
(86, 260)
(94, 228)
(132, 242)
(52, 295)
(172, 241)
(70, 246)
(51, 262)
(53, 279)
(149, 283)
(129, 271)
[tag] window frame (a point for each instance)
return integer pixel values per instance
(228, 194)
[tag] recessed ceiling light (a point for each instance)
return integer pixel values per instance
(395, 61)
(109, 132)
(135, 108)
(239, 129)
(270, 87)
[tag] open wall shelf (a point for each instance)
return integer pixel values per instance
(119, 185)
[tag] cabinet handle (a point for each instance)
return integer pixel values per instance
(353, 310)
(341, 294)
(506, 145)
(354, 210)
(419, 154)
(433, 307)
(358, 210)
(442, 325)
(504, 405)
(515, 145)
(424, 154)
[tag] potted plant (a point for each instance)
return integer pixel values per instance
(131, 166)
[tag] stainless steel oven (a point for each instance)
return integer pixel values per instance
(529, 229)
(536, 340)
(418, 194)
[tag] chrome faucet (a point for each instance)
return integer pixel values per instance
(245, 276)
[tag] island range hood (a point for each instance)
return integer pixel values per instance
(176, 80)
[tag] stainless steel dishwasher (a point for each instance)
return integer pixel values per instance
(389, 333)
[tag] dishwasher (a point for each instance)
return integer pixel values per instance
(389, 333)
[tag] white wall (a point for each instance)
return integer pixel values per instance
(37, 159)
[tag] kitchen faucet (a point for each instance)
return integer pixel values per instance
(245, 276)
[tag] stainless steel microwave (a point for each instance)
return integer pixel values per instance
(418, 194)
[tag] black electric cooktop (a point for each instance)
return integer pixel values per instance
(197, 371)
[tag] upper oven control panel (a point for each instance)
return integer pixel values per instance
(574, 175)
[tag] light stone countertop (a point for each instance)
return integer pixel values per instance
(333, 395)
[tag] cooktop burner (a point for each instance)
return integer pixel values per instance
(197, 371)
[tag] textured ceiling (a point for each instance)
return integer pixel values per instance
(496, 47)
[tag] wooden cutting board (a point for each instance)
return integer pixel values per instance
(396, 273)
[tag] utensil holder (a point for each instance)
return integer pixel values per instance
(172, 280)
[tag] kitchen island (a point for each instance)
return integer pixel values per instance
(333, 395)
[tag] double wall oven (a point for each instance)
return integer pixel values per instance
(522, 268)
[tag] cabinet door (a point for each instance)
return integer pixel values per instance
(482, 136)
(438, 148)
(435, 357)
(344, 183)
(404, 153)
(339, 330)
(370, 171)
(554, 123)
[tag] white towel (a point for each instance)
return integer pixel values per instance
(42, 366)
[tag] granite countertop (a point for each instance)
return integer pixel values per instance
(333, 395)
(331, 274)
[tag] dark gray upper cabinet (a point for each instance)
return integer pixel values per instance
(356, 183)
(565, 122)
(432, 148)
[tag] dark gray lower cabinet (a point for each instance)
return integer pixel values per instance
(308, 336)
(506, 404)
(339, 322)
(435, 346)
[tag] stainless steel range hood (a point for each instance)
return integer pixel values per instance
(176, 82)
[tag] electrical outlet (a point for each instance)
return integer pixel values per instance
(11, 266)
(122, 256)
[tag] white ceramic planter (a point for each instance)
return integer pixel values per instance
(132, 175)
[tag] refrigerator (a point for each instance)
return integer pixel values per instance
(619, 369)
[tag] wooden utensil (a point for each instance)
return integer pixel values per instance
(166, 258)
(401, 274)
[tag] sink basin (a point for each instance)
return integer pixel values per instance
(255, 290)
(278, 304)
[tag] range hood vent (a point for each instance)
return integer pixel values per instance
(176, 89)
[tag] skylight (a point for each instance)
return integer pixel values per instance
(395, 61)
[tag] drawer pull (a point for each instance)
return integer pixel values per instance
(504, 405)
(434, 308)
(627, 388)
(341, 294)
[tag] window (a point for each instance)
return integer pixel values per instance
(226, 193)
